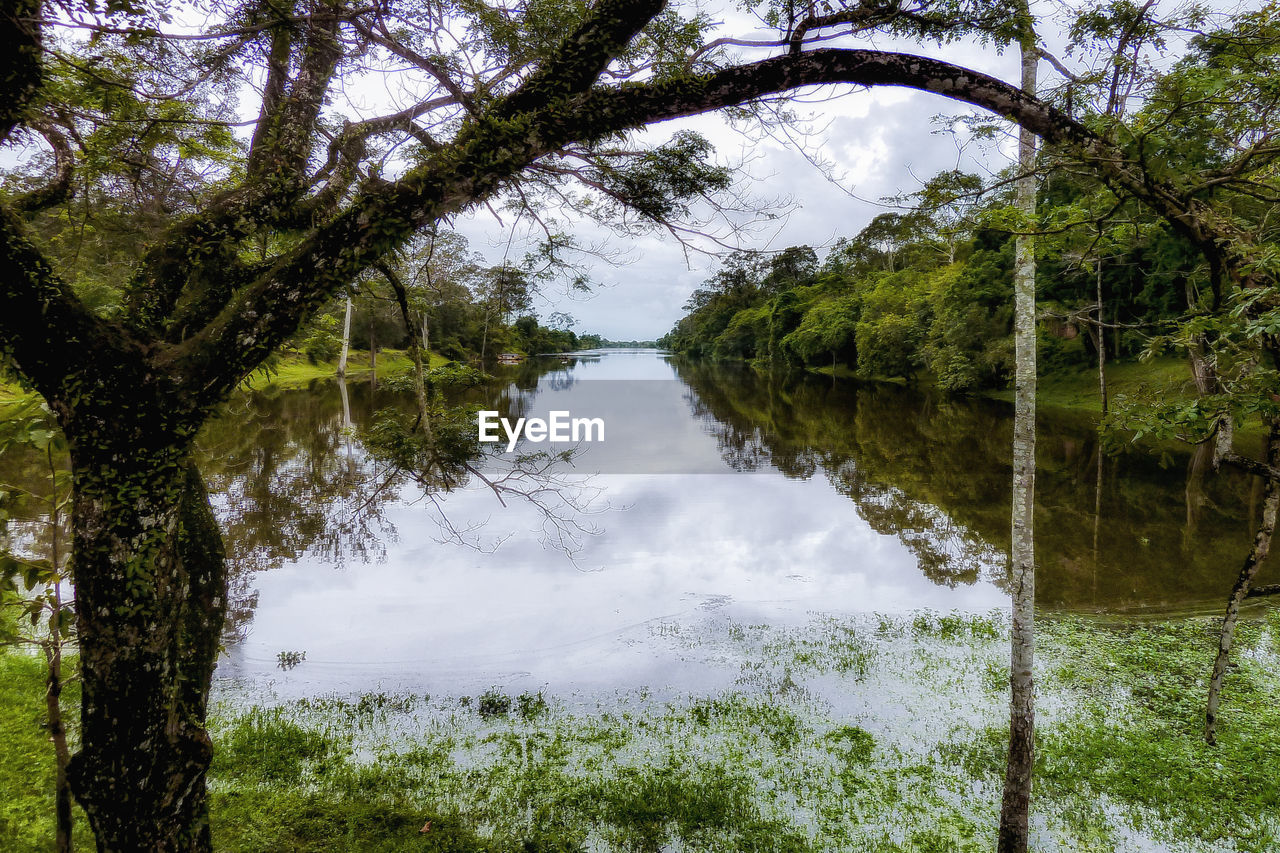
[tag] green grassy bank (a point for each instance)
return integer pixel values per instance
(288, 370)
(841, 734)
(1077, 390)
(294, 370)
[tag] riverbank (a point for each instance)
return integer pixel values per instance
(842, 734)
(1077, 390)
(288, 370)
(294, 370)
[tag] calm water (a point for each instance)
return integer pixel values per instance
(719, 494)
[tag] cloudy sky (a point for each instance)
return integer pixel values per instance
(877, 143)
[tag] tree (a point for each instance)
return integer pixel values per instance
(1016, 802)
(234, 271)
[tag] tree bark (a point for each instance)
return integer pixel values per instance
(1015, 804)
(58, 734)
(150, 601)
(1257, 555)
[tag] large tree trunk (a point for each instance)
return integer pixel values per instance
(1015, 804)
(150, 600)
(1244, 581)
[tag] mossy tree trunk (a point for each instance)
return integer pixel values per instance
(150, 600)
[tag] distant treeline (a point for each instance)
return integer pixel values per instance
(459, 307)
(929, 290)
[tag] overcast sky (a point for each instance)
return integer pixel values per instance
(879, 143)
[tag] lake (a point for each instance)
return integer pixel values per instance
(720, 496)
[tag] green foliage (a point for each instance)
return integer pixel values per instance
(26, 761)
(322, 340)
(31, 572)
(436, 453)
(661, 182)
(265, 747)
(826, 331)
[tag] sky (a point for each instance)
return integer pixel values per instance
(879, 143)
(874, 144)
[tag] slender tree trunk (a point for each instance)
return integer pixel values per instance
(1257, 555)
(346, 340)
(1100, 340)
(150, 600)
(1204, 373)
(54, 679)
(373, 356)
(58, 734)
(1015, 805)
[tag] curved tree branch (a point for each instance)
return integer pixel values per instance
(492, 152)
(48, 333)
(20, 69)
(60, 188)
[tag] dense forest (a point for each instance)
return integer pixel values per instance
(927, 290)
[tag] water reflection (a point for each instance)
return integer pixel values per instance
(933, 471)
(735, 495)
(829, 496)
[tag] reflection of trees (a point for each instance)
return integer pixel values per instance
(288, 481)
(948, 553)
(933, 471)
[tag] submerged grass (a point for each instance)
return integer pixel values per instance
(842, 734)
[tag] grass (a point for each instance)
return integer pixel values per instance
(1078, 390)
(289, 370)
(26, 758)
(294, 370)
(878, 733)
